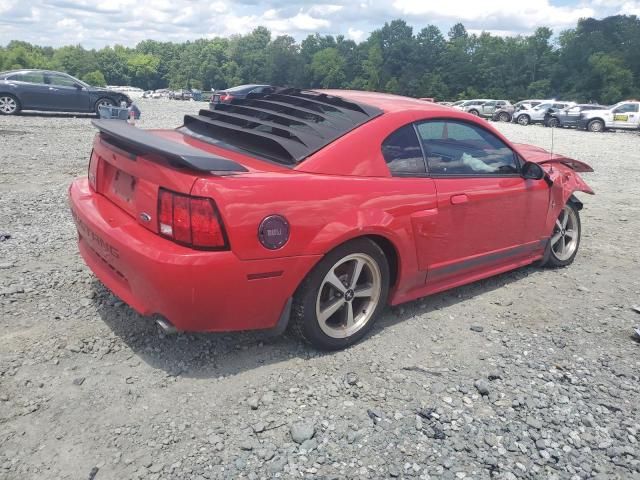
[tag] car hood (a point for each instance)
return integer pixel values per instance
(541, 156)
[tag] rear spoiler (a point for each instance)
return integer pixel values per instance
(177, 153)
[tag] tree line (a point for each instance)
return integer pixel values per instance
(598, 60)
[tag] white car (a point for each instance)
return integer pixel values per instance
(537, 113)
(466, 104)
(624, 115)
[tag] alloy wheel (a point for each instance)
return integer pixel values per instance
(596, 126)
(565, 237)
(554, 122)
(503, 117)
(8, 105)
(523, 120)
(348, 295)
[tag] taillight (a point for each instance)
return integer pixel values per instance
(192, 221)
(93, 168)
(226, 97)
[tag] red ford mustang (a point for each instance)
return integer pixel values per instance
(315, 209)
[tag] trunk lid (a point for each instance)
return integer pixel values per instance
(129, 166)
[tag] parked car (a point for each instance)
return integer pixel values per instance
(527, 104)
(455, 104)
(316, 209)
(182, 94)
(490, 110)
(470, 103)
(537, 113)
(239, 92)
(624, 115)
(49, 91)
(568, 117)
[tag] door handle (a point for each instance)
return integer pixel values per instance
(458, 199)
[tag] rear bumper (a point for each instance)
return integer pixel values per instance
(195, 290)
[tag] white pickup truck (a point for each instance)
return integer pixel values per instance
(624, 115)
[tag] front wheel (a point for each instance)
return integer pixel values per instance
(9, 105)
(596, 126)
(103, 102)
(524, 120)
(474, 112)
(339, 301)
(565, 239)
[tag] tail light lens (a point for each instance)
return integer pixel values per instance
(93, 169)
(226, 97)
(191, 221)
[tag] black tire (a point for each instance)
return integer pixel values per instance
(504, 117)
(596, 126)
(524, 120)
(304, 320)
(474, 112)
(551, 258)
(9, 104)
(103, 101)
(553, 122)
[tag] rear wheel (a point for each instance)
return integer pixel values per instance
(565, 239)
(595, 126)
(524, 120)
(340, 299)
(504, 117)
(474, 112)
(103, 102)
(9, 105)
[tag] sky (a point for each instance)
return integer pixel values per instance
(94, 24)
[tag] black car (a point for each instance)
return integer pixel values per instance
(568, 117)
(48, 91)
(241, 91)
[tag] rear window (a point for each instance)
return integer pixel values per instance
(285, 126)
(403, 154)
(28, 77)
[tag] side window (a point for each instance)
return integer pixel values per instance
(457, 148)
(627, 108)
(61, 81)
(403, 154)
(28, 77)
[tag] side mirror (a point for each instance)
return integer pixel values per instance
(532, 171)
(78, 86)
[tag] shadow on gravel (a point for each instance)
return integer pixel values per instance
(209, 355)
(57, 115)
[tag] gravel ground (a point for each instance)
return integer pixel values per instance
(532, 374)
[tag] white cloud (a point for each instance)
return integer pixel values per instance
(95, 24)
(497, 14)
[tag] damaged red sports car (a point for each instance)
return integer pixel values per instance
(315, 209)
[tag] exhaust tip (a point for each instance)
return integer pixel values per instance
(166, 326)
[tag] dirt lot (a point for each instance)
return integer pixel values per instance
(532, 374)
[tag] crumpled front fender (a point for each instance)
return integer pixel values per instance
(565, 183)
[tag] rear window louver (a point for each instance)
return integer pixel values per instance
(286, 126)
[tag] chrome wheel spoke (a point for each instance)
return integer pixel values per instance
(563, 246)
(570, 234)
(335, 282)
(364, 292)
(554, 239)
(349, 315)
(558, 224)
(565, 219)
(357, 271)
(326, 313)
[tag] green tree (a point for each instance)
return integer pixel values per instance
(95, 78)
(327, 68)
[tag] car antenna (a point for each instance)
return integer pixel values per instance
(551, 152)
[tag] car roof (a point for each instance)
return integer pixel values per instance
(239, 88)
(387, 102)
